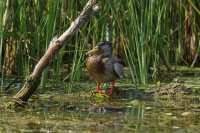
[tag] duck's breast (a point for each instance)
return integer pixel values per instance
(101, 70)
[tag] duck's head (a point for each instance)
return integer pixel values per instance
(102, 48)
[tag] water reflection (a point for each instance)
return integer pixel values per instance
(56, 111)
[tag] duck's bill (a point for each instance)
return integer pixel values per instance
(93, 51)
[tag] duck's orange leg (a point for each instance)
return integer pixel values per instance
(98, 88)
(110, 90)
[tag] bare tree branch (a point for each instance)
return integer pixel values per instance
(33, 80)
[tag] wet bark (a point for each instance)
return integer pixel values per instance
(33, 80)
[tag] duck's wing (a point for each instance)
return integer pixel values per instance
(118, 67)
(113, 64)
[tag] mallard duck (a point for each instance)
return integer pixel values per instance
(103, 67)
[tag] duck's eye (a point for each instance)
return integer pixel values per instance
(97, 47)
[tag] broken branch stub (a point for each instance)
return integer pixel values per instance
(33, 80)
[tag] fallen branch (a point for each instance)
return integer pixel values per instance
(33, 80)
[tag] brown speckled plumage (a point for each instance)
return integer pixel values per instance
(102, 66)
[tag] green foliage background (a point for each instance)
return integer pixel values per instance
(149, 33)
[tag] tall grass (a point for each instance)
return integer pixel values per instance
(2, 4)
(146, 29)
(1, 37)
(141, 26)
(4, 9)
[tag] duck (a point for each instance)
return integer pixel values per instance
(103, 66)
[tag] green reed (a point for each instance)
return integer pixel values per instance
(2, 8)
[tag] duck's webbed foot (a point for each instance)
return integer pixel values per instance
(109, 91)
(98, 88)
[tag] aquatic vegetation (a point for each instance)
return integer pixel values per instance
(157, 39)
(54, 110)
(146, 34)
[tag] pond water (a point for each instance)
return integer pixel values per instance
(56, 110)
